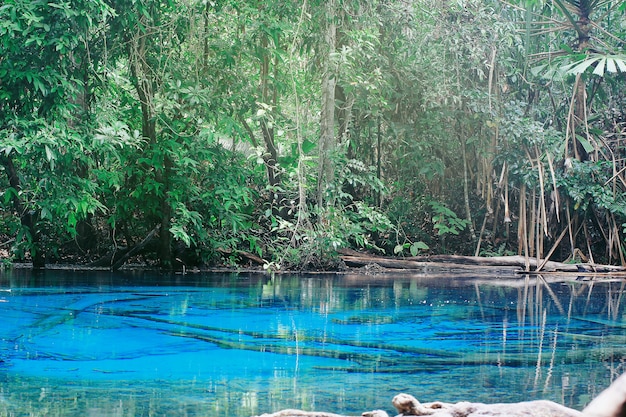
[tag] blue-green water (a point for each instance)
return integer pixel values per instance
(101, 344)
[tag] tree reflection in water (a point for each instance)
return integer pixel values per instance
(238, 345)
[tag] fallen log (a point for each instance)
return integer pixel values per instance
(243, 254)
(522, 261)
(462, 263)
(357, 259)
(134, 250)
(109, 258)
(117, 257)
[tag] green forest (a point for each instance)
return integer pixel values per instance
(198, 133)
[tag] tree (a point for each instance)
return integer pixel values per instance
(287, 130)
(578, 46)
(327, 140)
(45, 66)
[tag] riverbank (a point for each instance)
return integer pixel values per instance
(492, 270)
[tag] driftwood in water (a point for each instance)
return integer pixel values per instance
(357, 259)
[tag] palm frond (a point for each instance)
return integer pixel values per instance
(564, 65)
(585, 8)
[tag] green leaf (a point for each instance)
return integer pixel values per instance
(416, 247)
(9, 194)
(308, 146)
(45, 213)
(39, 85)
(49, 153)
(586, 144)
(71, 220)
(179, 233)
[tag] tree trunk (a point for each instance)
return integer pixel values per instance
(166, 260)
(144, 84)
(327, 119)
(468, 211)
(134, 250)
(579, 121)
(379, 151)
(269, 97)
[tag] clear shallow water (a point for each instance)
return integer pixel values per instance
(100, 344)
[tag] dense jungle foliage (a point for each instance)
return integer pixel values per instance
(196, 132)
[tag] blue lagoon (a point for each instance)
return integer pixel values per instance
(144, 344)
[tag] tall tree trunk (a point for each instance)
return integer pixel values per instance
(269, 97)
(327, 120)
(166, 259)
(144, 85)
(578, 120)
(379, 151)
(466, 186)
(86, 237)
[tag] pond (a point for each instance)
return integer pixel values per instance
(143, 344)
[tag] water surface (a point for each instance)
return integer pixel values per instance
(130, 344)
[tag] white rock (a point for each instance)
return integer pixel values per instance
(407, 405)
(611, 402)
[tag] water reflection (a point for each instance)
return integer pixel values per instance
(105, 344)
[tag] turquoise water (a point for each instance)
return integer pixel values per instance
(101, 344)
